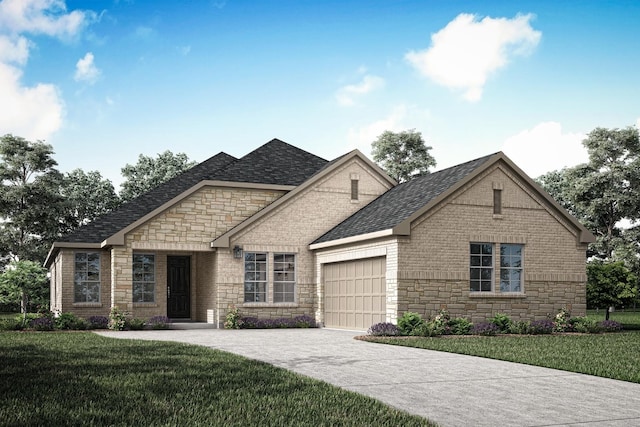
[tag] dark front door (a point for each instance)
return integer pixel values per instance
(178, 287)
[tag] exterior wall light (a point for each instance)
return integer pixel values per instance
(237, 252)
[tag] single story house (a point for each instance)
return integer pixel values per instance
(281, 232)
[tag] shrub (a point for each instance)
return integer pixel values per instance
(485, 328)
(562, 321)
(233, 319)
(610, 326)
(383, 329)
(521, 327)
(502, 321)
(304, 321)
(41, 324)
(136, 324)
(159, 322)
(460, 326)
(429, 329)
(538, 327)
(585, 325)
(117, 319)
(409, 322)
(69, 321)
(98, 322)
(10, 324)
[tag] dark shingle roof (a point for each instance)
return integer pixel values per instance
(275, 162)
(399, 203)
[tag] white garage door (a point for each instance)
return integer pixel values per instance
(354, 293)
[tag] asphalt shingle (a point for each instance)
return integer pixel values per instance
(399, 203)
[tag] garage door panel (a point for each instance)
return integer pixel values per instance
(355, 293)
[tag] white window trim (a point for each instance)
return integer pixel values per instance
(294, 281)
(493, 268)
(266, 281)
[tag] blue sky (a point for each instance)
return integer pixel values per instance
(105, 81)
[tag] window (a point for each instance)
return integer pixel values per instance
(497, 201)
(255, 277)
(510, 268)
(354, 189)
(284, 277)
(144, 278)
(86, 284)
(481, 267)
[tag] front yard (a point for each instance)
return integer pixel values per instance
(80, 378)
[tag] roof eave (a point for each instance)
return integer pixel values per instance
(352, 239)
(56, 246)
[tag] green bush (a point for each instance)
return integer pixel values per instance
(117, 319)
(409, 322)
(136, 324)
(429, 329)
(585, 325)
(502, 321)
(69, 321)
(521, 327)
(460, 326)
(233, 320)
(11, 324)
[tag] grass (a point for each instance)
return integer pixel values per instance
(612, 355)
(80, 378)
(630, 319)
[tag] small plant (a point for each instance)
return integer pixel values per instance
(429, 329)
(159, 322)
(585, 325)
(562, 321)
(304, 321)
(521, 327)
(543, 326)
(409, 322)
(69, 321)
(41, 324)
(135, 324)
(117, 319)
(10, 324)
(98, 322)
(610, 326)
(383, 329)
(460, 326)
(485, 328)
(502, 321)
(233, 319)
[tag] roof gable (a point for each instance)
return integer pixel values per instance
(401, 202)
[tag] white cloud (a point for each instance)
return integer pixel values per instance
(184, 50)
(37, 111)
(86, 70)
(545, 148)
(31, 112)
(638, 123)
(346, 95)
(47, 17)
(467, 51)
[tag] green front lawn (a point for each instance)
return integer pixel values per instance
(80, 378)
(613, 355)
(629, 319)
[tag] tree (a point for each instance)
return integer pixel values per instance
(150, 172)
(30, 202)
(402, 155)
(605, 190)
(87, 196)
(610, 284)
(26, 283)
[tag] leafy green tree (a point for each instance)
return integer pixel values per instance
(87, 195)
(605, 190)
(402, 155)
(150, 172)
(26, 283)
(610, 284)
(30, 201)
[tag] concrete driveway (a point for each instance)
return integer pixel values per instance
(450, 389)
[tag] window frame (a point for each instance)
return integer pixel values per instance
(255, 282)
(480, 265)
(355, 190)
(284, 293)
(144, 283)
(508, 269)
(84, 283)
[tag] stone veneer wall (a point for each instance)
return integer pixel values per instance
(434, 261)
(290, 229)
(65, 272)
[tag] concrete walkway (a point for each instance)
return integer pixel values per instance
(450, 389)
